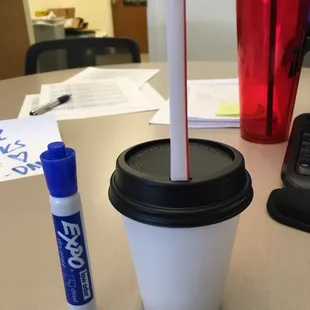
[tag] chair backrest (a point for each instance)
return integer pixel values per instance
(306, 61)
(82, 52)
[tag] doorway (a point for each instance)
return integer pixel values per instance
(130, 21)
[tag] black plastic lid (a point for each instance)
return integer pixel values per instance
(220, 187)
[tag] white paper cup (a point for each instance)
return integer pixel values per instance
(181, 268)
(181, 234)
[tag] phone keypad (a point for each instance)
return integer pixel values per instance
(303, 163)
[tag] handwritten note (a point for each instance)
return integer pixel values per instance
(21, 143)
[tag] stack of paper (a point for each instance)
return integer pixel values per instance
(138, 76)
(99, 92)
(211, 104)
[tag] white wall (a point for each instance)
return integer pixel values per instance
(96, 12)
(211, 30)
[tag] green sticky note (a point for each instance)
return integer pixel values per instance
(228, 109)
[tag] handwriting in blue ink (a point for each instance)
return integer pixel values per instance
(23, 170)
(22, 156)
(9, 149)
(1, 137)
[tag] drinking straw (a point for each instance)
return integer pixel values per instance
(177, 77)
(271, 66)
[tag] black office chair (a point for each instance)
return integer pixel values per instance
(77, 53)
(307, 43)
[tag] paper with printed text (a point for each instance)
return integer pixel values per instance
(204, 100)
(137, 76)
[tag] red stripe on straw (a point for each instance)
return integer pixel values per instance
(185, 88)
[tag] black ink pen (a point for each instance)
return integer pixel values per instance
(53, 104)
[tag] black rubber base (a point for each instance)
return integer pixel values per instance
(291, 207)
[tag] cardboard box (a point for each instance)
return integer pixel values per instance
(63, 12)
(77, 23)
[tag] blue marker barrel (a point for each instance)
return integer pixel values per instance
(59, 167)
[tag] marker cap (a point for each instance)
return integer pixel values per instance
(59, 166)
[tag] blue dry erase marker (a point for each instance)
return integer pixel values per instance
(59, 167)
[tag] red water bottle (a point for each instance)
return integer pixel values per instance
(271, 39)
